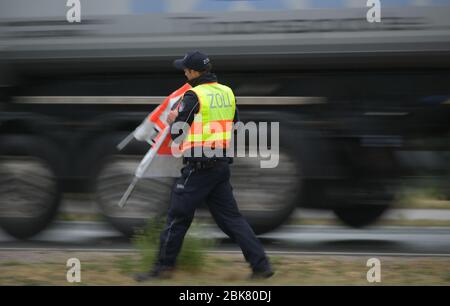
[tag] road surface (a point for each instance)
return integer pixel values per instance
(296, 240)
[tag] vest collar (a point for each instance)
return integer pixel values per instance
(203, 79)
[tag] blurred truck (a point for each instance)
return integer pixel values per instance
(363, 107)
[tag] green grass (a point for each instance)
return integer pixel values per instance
(428, 196)
(127, 264)
(100, 268)
(146, 241)
(10, 263)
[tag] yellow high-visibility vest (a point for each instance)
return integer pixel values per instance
(213, 124)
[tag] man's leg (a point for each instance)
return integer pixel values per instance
(186, 195)
(224, 209)
(171, 239)
(188, 192)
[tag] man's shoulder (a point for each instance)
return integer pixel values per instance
(190, 96)
(189, 101)
(190, 93)
(225, 87)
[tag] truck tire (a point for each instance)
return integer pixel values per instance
(266, 197)
(112, 177)
(360, 216)
(29, 188)
(363, 203)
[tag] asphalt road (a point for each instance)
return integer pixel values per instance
(86, 207)
(295, 240)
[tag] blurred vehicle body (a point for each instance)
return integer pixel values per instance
(361, 105)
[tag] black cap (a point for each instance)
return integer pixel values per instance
(194, 60)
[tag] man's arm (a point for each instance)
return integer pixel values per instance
(189, 106)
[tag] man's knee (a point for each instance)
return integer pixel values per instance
(180, 207)
(179, 220)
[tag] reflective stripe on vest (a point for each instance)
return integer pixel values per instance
(213, 123)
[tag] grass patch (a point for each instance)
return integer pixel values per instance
(191, 257)
(94, 267)
(127, 264)
(10, 263)
(230, 269)
(429, 196)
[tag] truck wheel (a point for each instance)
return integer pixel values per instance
(361, 203)
(29, 189)
(150, 198)
(266, 196)
(360, 216)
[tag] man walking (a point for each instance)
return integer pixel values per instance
(209, 110)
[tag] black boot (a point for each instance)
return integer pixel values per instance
(158, 272)
(262, 274)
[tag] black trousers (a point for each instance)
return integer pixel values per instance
(212, 186)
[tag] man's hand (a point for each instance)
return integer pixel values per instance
(172, 116)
